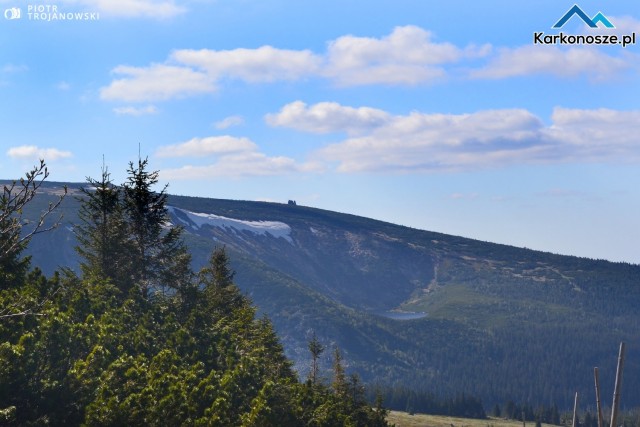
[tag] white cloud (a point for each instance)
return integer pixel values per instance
(420, 142)
(228, 122)
(551, 60)
(326, 117)
(598, 135)
(63, 86)
(157, 9)
(264, 64)
(245, 164)
(13, 68)
(9, 69)
(34, 152)
(136, 111)
(442, 142)
(231, 157)
(192, 72)
(213, 145)
(406, 56)
(156, 82)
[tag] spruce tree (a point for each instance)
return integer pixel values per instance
(216, 282)
(102, 236)
(340, 387)
(316, 350)
(496, 412)
(218, 274)
(380, 412)
(159, 257)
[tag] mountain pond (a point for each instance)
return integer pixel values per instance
(401, 315)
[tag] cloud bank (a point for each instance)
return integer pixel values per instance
(379, 142)
(226, 156)
(408, 56)
(421, 142)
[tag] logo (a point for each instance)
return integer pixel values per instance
(12, 13)
(602, 37)
(591, 22)
(45, 12)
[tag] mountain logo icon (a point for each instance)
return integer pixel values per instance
(591, 22)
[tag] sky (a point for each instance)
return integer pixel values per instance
(465, 118)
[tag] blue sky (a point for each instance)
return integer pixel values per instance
(442, 116)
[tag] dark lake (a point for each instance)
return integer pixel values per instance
(401, 315)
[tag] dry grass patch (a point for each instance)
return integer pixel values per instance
(403, 419)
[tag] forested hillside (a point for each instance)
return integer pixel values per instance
(410, 309)
(137, 337)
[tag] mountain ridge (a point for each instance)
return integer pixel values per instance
(500, 322)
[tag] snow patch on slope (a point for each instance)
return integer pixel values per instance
(197, 220)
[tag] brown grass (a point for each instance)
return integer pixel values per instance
(403, 419)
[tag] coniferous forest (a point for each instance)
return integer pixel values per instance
(137, 337)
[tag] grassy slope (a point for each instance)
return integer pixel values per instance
(403, 419)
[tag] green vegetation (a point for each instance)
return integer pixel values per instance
(138, 338)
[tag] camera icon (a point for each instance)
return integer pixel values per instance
(12, 13)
